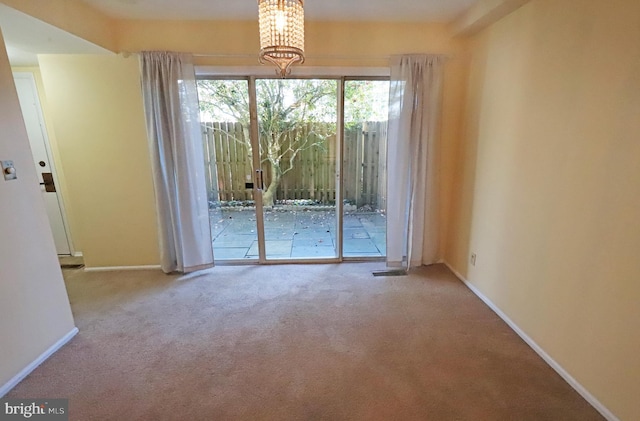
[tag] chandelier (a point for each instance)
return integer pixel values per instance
(281, 25)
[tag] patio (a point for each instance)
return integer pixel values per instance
(296, 233)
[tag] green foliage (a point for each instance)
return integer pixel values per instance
(228, 100)
(365, 100)
(224, 100)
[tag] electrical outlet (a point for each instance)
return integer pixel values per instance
(473, 259)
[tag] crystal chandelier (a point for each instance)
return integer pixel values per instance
(281, 33)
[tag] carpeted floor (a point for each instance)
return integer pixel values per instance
(303, 342)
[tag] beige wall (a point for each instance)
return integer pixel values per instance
(326, 43)
(97, 113)
(34, 308)
(73, 16)
(548, 186)
(484, 13)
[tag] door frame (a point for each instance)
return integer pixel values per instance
(257, 180)
(251, 74)
(31, 79)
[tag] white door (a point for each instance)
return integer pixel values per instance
(32, 113)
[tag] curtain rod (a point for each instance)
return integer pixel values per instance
(326, 56)
(314, 57)
(330, 56)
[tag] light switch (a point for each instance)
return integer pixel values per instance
(8, 170)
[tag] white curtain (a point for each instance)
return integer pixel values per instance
(175, 142)
(412, 180)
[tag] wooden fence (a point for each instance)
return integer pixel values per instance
(364, 164)
(228, 164)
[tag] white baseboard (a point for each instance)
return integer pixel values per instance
(541, 352)
(77, 254)
(112, 268)
(5, 388)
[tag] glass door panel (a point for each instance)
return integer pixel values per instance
(224, 113)
(297, 138)
(364, 168)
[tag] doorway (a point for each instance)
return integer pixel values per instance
(274, 153)
(42, 159)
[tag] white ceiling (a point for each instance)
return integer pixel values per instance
(344, 10)
(25, 37)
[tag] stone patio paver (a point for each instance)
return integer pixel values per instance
(296, 234)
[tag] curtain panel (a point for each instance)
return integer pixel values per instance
(175, 143)
(413, 141)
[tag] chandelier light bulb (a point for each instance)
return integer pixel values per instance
(281, 21)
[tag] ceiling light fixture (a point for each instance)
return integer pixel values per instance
(281, 25)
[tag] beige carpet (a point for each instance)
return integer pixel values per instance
(304, 342)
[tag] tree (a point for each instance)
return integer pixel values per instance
(289, 111)
(365, 100)
(285, 110)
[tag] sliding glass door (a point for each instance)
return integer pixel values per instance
(364, 168)
(297, 131)
(225, 117)
(274, 155)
